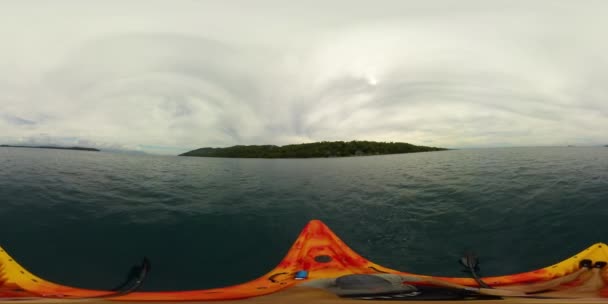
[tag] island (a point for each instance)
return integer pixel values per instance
(312, 150)
(53, 147)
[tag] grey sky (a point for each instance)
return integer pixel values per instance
(169, 76)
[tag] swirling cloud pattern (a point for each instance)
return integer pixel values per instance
(169, 76)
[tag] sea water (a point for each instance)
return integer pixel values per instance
(84, 218)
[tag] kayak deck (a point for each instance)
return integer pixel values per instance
(321, 255)
(301, 295)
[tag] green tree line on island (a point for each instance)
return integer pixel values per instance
(52, 147)
(310, 150)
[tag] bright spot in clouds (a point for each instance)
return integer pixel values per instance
(372, 80)
(170, 76)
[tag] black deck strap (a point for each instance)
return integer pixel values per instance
(471, 263)
(135, 279)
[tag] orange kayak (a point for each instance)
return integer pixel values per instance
(318, 254)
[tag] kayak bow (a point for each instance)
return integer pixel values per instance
(317, 253)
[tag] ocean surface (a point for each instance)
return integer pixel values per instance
(84, 218)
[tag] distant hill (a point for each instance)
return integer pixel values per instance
(53, 147)
(310, 150)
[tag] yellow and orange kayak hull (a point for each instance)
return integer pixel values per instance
(317, 251)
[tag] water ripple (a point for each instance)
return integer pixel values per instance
(212, 222)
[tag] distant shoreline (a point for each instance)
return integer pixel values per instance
(323, 149)
(52, 147)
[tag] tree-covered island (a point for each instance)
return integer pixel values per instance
(310, 150)
(53, 147)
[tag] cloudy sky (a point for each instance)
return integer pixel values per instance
(169, 76)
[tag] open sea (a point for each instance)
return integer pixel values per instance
(84, 218)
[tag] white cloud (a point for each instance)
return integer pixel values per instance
(167, 77)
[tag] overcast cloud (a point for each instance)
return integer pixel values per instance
(170, 76)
